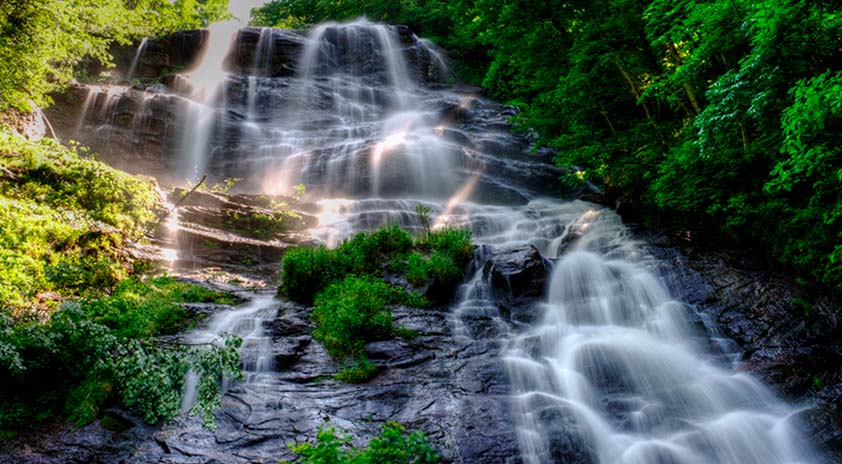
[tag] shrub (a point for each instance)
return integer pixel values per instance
(92, 352)
(394, 446)
(353, 312)
(455, 243)
(417, 269)
(307, 271)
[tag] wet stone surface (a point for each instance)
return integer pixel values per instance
(795, 349)
(456, 392)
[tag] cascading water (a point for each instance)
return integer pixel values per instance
(246, 322)
(137, 57)
(612, 370)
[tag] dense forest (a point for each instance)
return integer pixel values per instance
(720, 118)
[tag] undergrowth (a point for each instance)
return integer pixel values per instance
(394, 446)
(354, 286)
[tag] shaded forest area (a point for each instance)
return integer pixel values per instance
(718, 119)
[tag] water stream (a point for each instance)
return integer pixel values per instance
(612, 370)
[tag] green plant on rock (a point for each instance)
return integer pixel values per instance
(352, 296)
(394, 446)
(352, 312)
(93, 352)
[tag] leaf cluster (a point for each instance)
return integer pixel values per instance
(394, 446)
(92, 353)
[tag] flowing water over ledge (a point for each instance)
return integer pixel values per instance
(596, 363)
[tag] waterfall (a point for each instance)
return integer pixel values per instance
(246, 322)
(612, 371)
(136, 60)
(607, 368)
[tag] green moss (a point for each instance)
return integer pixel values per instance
(262, 226)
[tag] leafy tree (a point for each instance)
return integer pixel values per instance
(41, 41)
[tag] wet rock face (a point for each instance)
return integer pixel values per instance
(519, 279)
(787, 336)
(455, 392)
(246, 234)
(176, 52)
(265, 52)
(132, 130)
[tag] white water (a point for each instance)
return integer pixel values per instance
(612, 371)
(617, 356)
(137, 57)
(247, 322)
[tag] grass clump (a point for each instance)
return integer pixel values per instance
(353, 286)
(439, 255)
(395, 445)
(94, 352)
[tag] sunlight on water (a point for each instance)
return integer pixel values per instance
(611, 370)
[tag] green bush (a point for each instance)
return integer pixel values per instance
(92, 352)
(352, 312)
(65, 222)
(394, 446)
(307, 271)
(453, 243)
(417, 269)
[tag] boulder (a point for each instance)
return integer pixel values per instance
(518, 277)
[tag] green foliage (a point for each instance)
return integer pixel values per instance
(92, 352)
(352, 312)
(455, 244)
(352, 297)
(357, 370)
(394, 446)
(307, 271)
(41, 41)
(807, 182)
(139, 309)
(65, 222)
(417, 269)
